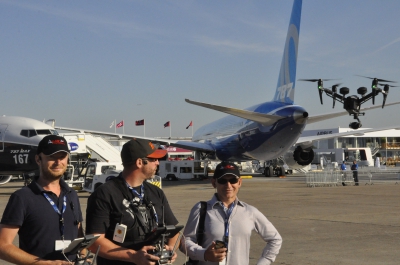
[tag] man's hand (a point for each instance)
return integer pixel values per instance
(142, 257)
(58, 262)
(215, 255)
(174, 256)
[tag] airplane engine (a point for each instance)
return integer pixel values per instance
(5, 179)
(299, 157)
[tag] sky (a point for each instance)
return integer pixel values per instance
(89, 63)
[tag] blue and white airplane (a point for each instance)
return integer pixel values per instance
(268, 130)
(265, 131)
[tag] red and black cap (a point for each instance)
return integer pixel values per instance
(140, 148)
(52, 144)
(226, 168)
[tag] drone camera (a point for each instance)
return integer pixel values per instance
(355, 125)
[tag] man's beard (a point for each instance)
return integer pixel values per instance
(51, 175)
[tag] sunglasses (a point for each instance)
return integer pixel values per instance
(150, 159)
(224, 181)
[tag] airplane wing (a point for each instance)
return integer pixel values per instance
(189, 145)
(264, 119)
(194, 146)
(307, 140)
(322, 117)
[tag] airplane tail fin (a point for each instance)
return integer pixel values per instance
(287, 75)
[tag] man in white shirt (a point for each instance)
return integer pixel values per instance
(231, 221)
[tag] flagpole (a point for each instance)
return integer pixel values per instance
(123, 127)
(144, 128)
(115, 126)
(170, 130)
(192, 129)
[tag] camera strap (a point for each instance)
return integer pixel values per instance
(200, 229)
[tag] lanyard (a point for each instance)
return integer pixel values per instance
(60, 214)
(228, 212)
(140, 195)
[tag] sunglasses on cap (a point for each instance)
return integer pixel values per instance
(231, 180)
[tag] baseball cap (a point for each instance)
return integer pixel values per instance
(52, 144)
(140, 148)
(226, 168)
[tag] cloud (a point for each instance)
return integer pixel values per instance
(235, 46)
(387, 45)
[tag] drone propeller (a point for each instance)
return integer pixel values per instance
(315, 80)
(377, 79)
(320, 85)
(387, 85)
(375, 84)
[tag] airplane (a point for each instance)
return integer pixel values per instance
(19, 138)
(263, 132)
(266, 131)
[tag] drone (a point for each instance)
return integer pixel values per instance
(352, 104)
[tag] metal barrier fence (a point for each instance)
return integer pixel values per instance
(324, 178)
(369, 176)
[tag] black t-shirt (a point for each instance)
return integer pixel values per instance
(105, 209)
(38, 221)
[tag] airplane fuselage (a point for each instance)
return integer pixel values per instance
(239, 139)
(19, 138)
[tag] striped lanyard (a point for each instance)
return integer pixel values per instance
(135, 192)
(141, 196)
(60, 214)
(228, 212)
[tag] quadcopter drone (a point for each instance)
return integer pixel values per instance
(352, 104)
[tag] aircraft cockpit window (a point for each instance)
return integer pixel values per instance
(54, 132)
(25, 133)
(32, 133)
(28, 133)
(44, 131)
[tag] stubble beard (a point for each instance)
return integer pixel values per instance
(49, 174)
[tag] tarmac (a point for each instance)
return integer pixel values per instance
(320, 225)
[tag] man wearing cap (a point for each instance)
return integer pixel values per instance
(129, 200)
(231, 221)
(46, 214)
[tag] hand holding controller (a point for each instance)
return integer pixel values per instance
(164, 255)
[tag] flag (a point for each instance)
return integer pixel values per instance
(191, 124)
(120, 124)
(112, 124)
(139, 122)
(166, 124)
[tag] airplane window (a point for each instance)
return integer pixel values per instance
(54, 132)
(32, 133)
(25, 133)
(44, 131)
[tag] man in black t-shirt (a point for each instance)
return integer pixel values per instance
(46, 214)
(126, 209)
